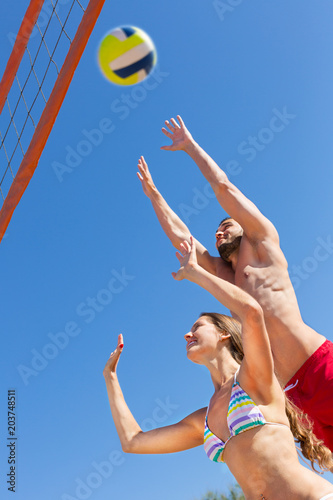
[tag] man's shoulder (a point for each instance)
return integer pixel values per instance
(266, 249)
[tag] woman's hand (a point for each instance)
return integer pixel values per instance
(179, 135)
(187, 259)
(111, 365)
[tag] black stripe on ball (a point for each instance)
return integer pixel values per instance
(128, 30)
(145, 63)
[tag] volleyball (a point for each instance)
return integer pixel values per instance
(126, 55)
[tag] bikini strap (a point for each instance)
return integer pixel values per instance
(235, 376)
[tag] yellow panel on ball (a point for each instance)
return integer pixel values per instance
(126, 55)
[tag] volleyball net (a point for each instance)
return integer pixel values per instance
(46, 52)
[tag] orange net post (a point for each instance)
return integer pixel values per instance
(48, 117)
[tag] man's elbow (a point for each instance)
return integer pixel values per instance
(220, 185)
(177, 240)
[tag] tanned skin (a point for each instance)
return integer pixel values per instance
(256, 264)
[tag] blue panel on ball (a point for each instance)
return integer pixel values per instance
(145, 63)
(128, 30)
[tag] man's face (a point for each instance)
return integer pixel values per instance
(228, 238)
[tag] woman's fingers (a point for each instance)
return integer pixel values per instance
(112, 362)
(182, 248)
(116, 353)
(179, 257)
(185, 247)
(177, 276)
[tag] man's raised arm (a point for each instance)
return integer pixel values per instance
(231, 199)
(172, 225)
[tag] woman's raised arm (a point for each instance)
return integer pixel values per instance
(183, 435)
(258, 356)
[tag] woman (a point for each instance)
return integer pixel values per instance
(245, 424)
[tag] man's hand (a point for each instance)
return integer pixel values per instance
(145, 177)
(180, 136)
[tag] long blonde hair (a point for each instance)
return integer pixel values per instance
(312, 448)
(300, 425)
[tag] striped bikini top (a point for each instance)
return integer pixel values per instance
(243, 415)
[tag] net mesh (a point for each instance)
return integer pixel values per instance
(44, 55)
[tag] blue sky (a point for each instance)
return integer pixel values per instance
(228, 75)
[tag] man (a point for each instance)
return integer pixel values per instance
(251, 257)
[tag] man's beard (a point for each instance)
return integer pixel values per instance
(226, 249)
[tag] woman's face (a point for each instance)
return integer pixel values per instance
(202, 341)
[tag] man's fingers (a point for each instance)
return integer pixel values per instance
(143, 161)
(166, 148)
(143, 167)
(174, 123)
(141, 173)
(167, 133)
(179, 118)
(168, 124)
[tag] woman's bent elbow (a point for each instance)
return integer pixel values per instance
(253, 312)
(126, 448)
(132, 445)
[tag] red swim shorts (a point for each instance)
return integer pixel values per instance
(311, 389)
